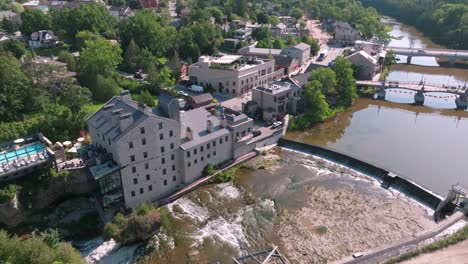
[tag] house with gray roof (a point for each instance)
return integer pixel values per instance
(155, 151)
(299, 51)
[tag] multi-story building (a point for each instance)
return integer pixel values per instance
(233, 74)
(155, 151)
(278, 98)
(299, 51)
(345, 33)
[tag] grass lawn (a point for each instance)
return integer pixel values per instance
(93, 107)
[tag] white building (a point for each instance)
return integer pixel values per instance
(368, 65)
(233, 74)
(148, 153)
(299, 51)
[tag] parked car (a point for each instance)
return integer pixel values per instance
(277, 124)
(256, 133)
(183, 93)
(358, 255)
(196, 88)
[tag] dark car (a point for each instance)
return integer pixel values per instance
(256, 133)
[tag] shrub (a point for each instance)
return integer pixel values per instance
(144, 208)
(8, 192)
(208, 170)
(224, 176)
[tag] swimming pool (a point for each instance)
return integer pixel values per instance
(21, 152)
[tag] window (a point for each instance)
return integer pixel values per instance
(161, 136)
(164, 171)
(214, 143)
(242, 82)
(150, 187)
(160, 125)
(171, 133)
(201, 149)
(165, 182)
(135, 181)
(163, 160)
(208, 156)
(227, 138)
(162, 149)
(145, 155)
(147, 177)
(220, 141)
(142, 130)
(133, 194)
(141, 190)
(195, 152)
(189, 164)
(214, 153)
(133, 169)
(109, 142)
(146, 166)
(188, 154)
(132, 158)
(143, 141)
(130, 145)
(248, 129)
(234, 83)
(208, 146)
(202, 158)
(195, 161)
(174, 178)
(172, 156)
(173, 167)
(172, 145)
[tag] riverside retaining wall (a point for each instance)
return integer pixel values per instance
(386, 177)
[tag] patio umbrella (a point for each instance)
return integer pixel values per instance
(67, 143)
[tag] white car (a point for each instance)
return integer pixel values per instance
(277, 124)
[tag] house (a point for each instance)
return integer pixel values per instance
(289, 21)
(299, 51)
(288, 64)
(233, 74)
(58, 4)
(31, 4)
(121, 12)
(277, 98)
(231, 44)
(368, 65)
(370, 48)
(243, 34)
(57, 71)
(185, 12)
(43, 38)
(143, 154)
(152, 4)
(260, 52)
(11, 16)
(345, 33)
(279, 29)
(200, 100)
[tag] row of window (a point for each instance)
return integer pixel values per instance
(142, 129)
(202, 158)
(213, 143)
(145, 155)
(150, 187)
(147, 167)
(143, 140)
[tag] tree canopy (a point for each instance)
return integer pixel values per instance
(34, 20)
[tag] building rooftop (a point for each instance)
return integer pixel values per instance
(363, 54)
(103, 169)
(302, 46)
(275, 87)
(197, 120)
(206, 97)
(226, 59)
(264, 51)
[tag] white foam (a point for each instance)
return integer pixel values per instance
(102, 250)
(190, 209)
(230, 232)
(228, 190)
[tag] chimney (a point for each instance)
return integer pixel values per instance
(223, 121)
(141, 106)
(107, 111)
(126, 120)
(125, 95)
(209, 126)
(189, 133)
(115, 117)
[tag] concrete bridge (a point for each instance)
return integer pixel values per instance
(452, 55)
(461, 98)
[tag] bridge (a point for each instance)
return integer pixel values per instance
(461, 98)
(452, 55)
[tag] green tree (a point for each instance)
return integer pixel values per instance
(51, 238)
(216, 13)
(34, 20)
(297, 13)
(99, 57)
(274, 20)
(132, 56)
(90, 17)
(69, 59)
(240, 7)
(15, 47)
(15, 90)
(326, 80)
(317, 109)
(345, 82)
(75, 97)
(263, 18)
(278, 43)
(145, 97)
(261, 33)
(9, 25)
(104, 88)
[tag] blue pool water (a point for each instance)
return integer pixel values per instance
(21, 152)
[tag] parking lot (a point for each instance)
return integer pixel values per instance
(333, 52)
